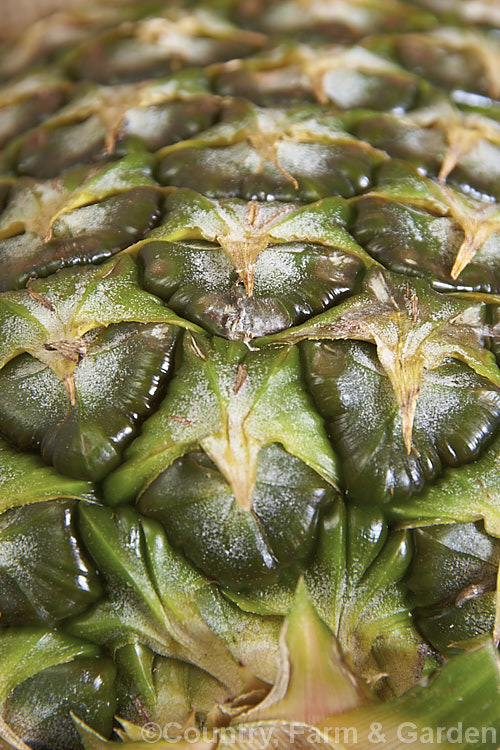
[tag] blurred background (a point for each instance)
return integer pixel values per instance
(17, 15)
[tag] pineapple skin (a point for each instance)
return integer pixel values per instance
(249, 375)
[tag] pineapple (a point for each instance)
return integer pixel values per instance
(249, 376)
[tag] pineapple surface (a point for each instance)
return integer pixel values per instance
(249, 376)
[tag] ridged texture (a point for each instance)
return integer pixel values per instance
(249, 371)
